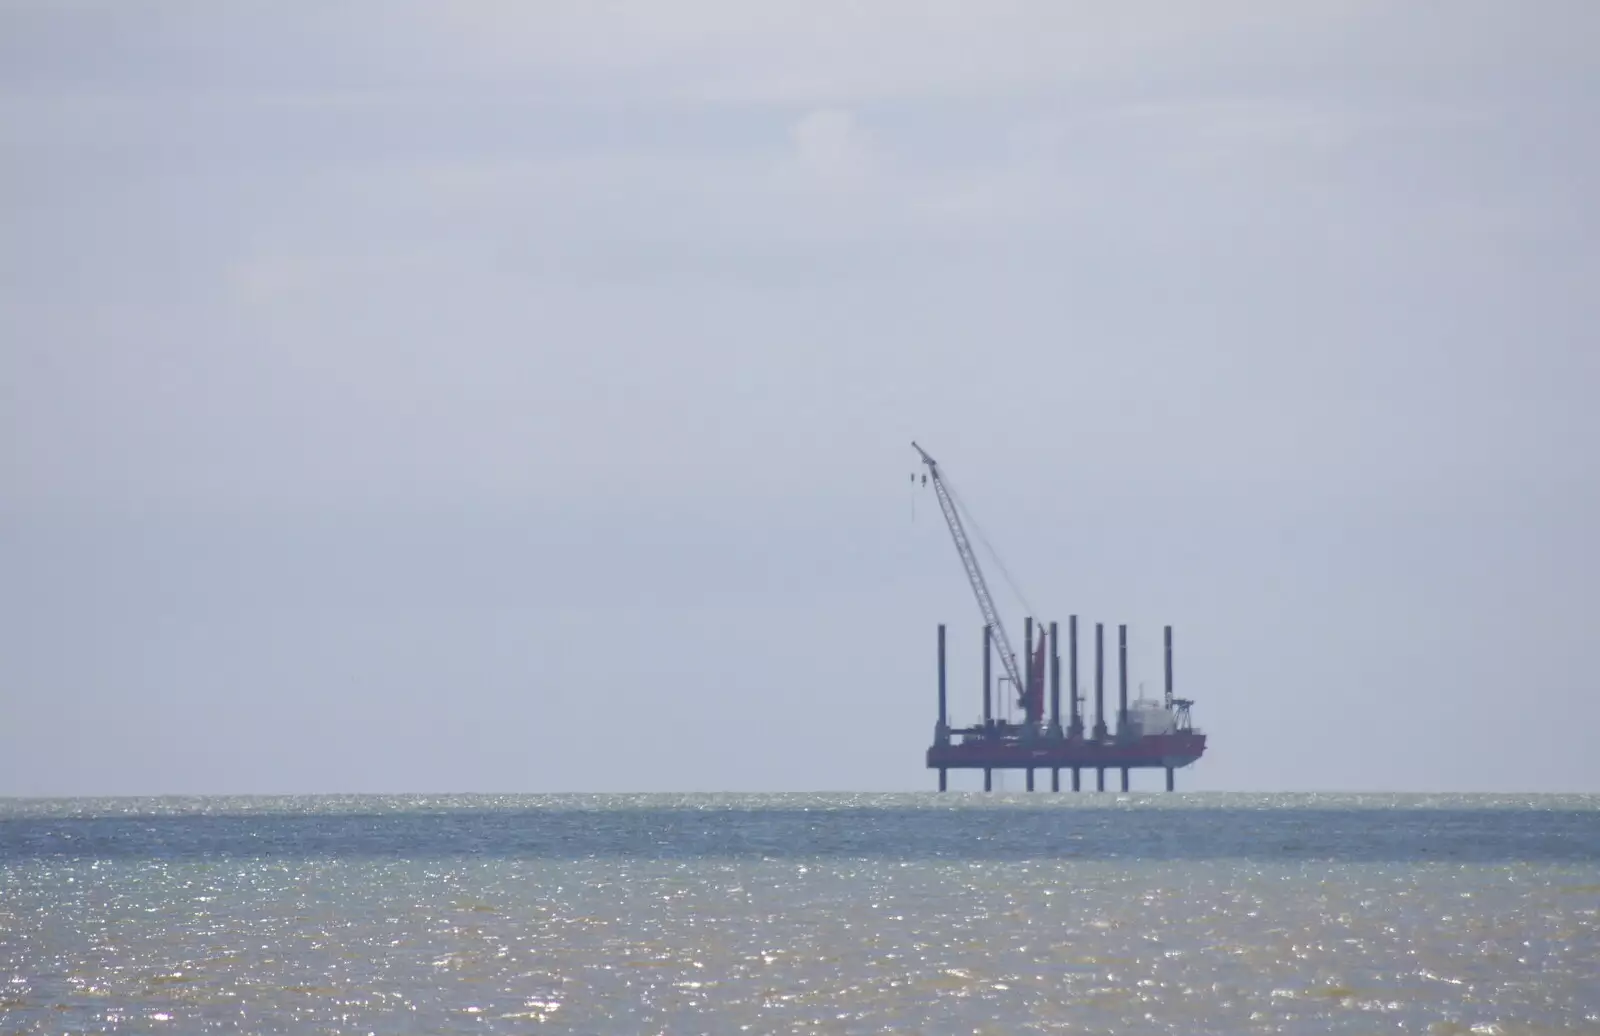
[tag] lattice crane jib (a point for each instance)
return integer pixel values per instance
(969, 560)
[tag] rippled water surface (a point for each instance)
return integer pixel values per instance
(837, 914)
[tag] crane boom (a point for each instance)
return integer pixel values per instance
(980, 588)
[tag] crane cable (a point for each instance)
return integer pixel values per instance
(972, 522)
(987, 546)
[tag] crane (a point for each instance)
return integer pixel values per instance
(980, 588)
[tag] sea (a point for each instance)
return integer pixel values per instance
(920, 913)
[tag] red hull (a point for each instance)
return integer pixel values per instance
(1157, 750)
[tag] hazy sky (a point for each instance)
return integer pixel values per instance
(502, 396)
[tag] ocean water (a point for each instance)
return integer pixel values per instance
(1185, 913)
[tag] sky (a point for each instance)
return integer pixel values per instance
(507, 397)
